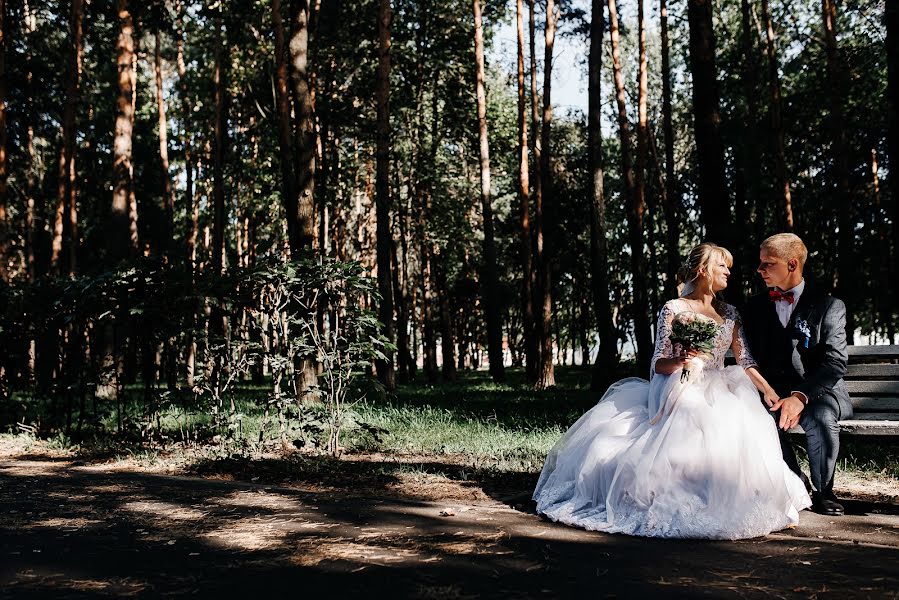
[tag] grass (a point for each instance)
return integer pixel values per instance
(475, 422)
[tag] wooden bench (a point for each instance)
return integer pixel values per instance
(873, 382)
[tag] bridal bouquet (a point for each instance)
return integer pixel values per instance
(693, 332)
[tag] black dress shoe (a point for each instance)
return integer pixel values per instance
(827, 504)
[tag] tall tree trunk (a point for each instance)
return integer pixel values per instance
(448, 367)
(670, 202)
(429, 260)
(892, 44)
(640, 205)
(527, 295)
(168, 188)
(191, 215)
(404, 356)
(122, 235)
(634, 204)
(777, 130)
(490, 289)
(382, 190)
(713, 196)
(537, 180)
(65, 227)
(542, 209)
(282, 101)
(219, 219)
(606, 362)
(304, 218)
(881, 302)
(4, 174)
(747, 196)
(839, 152)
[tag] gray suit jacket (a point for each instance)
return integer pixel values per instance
(809, 355)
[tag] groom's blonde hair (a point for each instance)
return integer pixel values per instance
(786, 246)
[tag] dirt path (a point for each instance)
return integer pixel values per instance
(83, 531)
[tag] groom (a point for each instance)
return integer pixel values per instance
(797, 334)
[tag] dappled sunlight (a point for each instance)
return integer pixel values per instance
(119, 587)
(73, 497)
(64, 523)
(258, 499)
(248, 534)
(112, 488)
(31, 468)
(379, 548)
(164, 510)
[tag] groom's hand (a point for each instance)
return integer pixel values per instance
(790, 408)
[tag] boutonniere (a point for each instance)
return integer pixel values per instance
(804, 330)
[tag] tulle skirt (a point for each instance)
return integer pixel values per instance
(672, 459)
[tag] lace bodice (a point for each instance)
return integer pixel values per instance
(730, 336)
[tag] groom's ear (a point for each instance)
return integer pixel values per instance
(792, 264)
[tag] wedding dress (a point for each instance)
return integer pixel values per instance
(668, 458)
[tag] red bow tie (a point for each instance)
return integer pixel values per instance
(776, 295)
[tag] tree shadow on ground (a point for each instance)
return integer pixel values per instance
(78, 532)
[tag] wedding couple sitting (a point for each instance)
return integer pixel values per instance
(700, 456)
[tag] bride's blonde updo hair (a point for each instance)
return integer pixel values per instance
(698, 260)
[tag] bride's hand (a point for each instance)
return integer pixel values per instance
(771, 397)
(686, 357)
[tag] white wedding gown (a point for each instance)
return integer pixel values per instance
(699, 459)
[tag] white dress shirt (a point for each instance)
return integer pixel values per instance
(784, 312)
(784, 308)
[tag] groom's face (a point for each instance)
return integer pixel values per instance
(773, 269)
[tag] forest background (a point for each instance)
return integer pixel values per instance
(216, 219)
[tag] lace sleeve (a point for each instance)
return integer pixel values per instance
(739, 345)
(663, 347)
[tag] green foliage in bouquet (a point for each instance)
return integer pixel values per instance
(693, 332)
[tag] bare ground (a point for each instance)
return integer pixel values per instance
(384, 526)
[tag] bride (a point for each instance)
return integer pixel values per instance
(679, 457)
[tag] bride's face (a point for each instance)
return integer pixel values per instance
(718, 273)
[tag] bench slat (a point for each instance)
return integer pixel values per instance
(860, 427)
(886, 404)
(876, 416)
(872, 388)
(873, 371)
(874, 352)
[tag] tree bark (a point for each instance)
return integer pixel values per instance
(4, 173)
(282, 101)
(31, 180)
(634, 204)
(542, 208)
(777, 130)
(892, 44)
(747, 179)
(191, 214)
(304, 217)
(846, 264)
(527, 294)
(490, 288)
(65, 226)
(123, 233)
(670, 201)
(448, 366)
(168, 188)
(219, 220)
(713, 196)
(385, 368)
(606, 363)
(536, 333)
